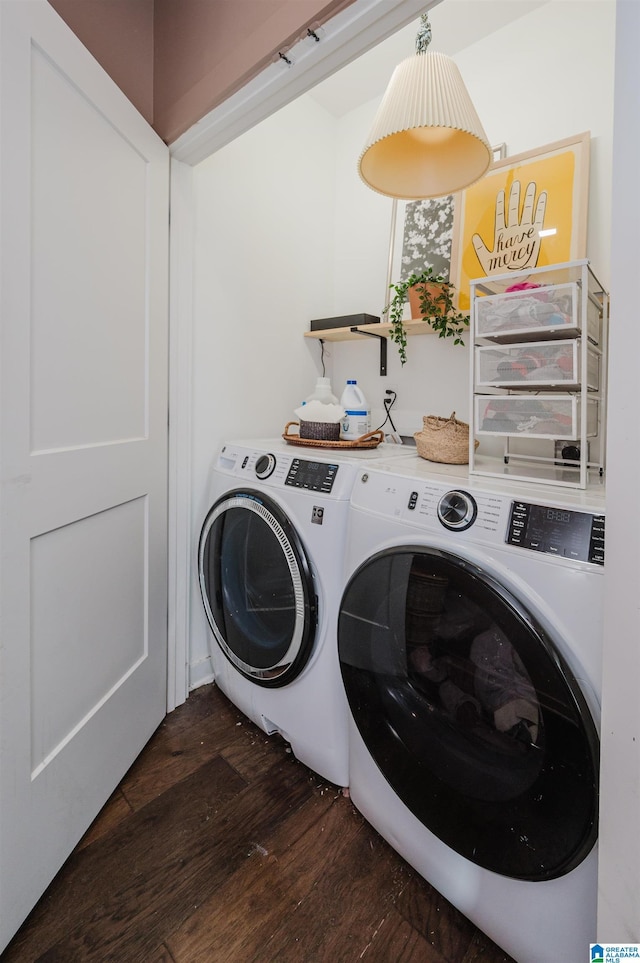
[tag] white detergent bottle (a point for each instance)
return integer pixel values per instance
(322, 392)
(357, 414)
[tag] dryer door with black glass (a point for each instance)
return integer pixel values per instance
(257, 588)
(470, 712)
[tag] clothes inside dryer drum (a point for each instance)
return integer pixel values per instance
(257, 588)
(470, 712)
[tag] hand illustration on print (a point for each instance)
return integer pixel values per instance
(516, 243)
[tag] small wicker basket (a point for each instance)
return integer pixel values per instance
(320, 430)
(445, 440)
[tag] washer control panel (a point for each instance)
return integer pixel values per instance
(557, 531)
(315, 476)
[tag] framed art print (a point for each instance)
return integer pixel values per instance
(421, 236)
(528, 211)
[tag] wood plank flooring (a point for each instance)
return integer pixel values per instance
(220, 847)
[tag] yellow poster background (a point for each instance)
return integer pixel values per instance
(560, 174)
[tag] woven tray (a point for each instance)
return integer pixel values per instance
(371, 440)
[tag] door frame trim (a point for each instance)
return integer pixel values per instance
(353, 31)
(180, 561)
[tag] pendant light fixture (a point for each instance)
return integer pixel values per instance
(426, 139)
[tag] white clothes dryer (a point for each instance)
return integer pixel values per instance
(271, 569)
(469, 641)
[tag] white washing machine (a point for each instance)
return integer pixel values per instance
(469, 641)
(271, 568)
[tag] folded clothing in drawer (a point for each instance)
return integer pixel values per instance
(546, 307)
(556, 417)
(543, 364)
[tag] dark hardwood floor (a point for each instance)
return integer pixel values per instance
(219, 845)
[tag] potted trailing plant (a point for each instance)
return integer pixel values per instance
(432, 295)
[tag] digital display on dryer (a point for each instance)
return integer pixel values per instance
(315, 476)
(557, 531)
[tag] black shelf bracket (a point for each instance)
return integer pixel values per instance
(383, 347)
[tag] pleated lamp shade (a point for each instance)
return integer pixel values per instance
(426, 139)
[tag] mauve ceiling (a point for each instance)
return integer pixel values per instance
(178, 59)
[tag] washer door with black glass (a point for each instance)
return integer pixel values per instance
(257, 588)
(470, 712)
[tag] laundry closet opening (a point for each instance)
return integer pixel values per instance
(285, 231)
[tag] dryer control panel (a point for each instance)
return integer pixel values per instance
(315, 476)
(557, 531)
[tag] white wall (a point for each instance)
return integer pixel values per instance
(286, 232)
(619, 860)
(263, 268)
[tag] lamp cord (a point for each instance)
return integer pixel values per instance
(322, 356)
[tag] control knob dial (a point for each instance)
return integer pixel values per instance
(265, 465)
(457, 510)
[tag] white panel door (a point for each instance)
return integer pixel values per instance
(83, 444)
